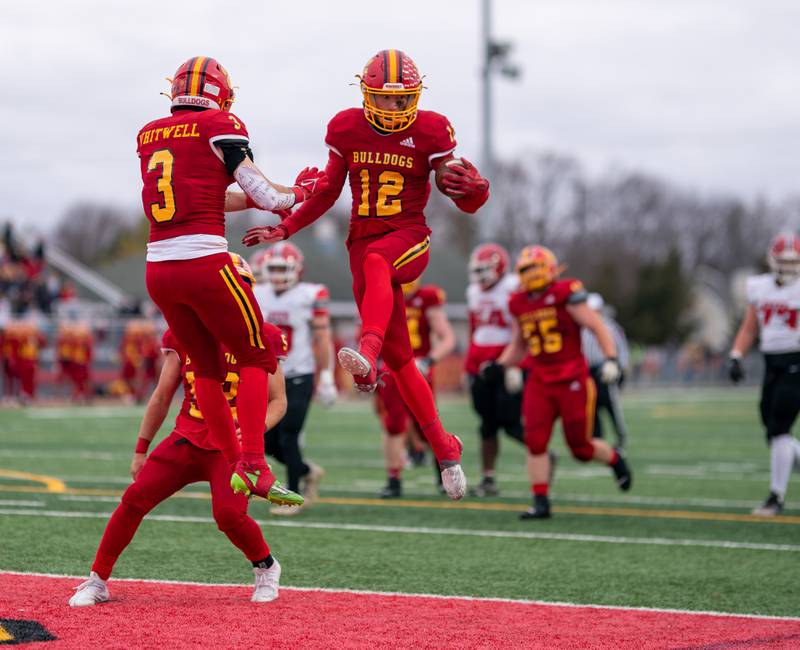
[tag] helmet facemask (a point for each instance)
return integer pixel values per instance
(784, 258)
(282, 274)
(483, 273)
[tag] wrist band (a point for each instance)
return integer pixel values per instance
(142, 445)
(249, 203)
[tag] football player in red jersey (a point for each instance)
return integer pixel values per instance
(188, 159)
(548, 315)
(432, 339)
(189, 455)
(388, 148)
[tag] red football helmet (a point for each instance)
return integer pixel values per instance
(202, 81)
(284, 265)
(390, 72)
(537, 267)
(487, 264)
(243, 268)
(784, 257)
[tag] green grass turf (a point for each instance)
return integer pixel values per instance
(698, 450)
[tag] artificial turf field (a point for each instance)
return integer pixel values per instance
(682, 539)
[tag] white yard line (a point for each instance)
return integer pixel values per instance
(25, 504)
(396, 594)
(424, 530)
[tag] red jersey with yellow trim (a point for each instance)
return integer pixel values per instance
(190, 422)
(389, 172)
(553, 337)
(184, 177)
(417, 306)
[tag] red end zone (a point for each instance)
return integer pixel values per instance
(147, 615)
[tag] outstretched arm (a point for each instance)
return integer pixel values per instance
(335, 175)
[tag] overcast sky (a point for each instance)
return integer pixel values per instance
(702, 92)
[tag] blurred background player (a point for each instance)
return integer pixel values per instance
(548, 314)
(300, 310)
(432, 339)
(188, 160)
(607, 393)
(773, 315)
(188, 455)
(388, 148)
(74, 353)
(496, 400)
(23, 343)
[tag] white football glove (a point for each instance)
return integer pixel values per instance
(424, 365)
(610, 371)
(326, 390)
(513, 380)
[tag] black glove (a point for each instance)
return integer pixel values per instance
(492, 372)
(735, 369)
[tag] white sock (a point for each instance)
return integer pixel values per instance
(781, 453)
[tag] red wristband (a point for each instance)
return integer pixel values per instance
(249, 203)
(142, 445)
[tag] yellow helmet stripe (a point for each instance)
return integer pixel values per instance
(394, 66)
(195, 75)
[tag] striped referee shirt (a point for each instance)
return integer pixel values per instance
(591, 348)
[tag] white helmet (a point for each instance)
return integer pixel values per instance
(784, 257)
(283, 266)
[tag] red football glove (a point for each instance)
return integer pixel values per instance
(310, 181)
(265, 235)
(464, 181)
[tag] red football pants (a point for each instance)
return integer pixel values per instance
(395, 415)
(406, 252)
(572, 401)
(172, 465)
(205, 302)
(26, 371)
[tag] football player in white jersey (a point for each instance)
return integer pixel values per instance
(773, 314)
(496, 403)
(300, 310)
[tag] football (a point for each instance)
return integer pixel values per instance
(440, 176)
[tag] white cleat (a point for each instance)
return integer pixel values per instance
(359, 366)
(454, 481)
(312, 480)
(354, 362)
(91, 592)
(267, 583)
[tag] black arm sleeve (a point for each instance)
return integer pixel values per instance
(233, 153)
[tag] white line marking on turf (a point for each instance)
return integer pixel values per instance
(29, 504)
(459, 532)
(394, 594)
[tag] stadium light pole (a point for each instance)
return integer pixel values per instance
(495, 59)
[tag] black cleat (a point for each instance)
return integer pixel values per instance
(622, 472)
(486, 488)
(417, 458)
(392, 489)
(539, 510)
(772, 506)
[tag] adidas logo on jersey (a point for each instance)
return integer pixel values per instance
(408, 142)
